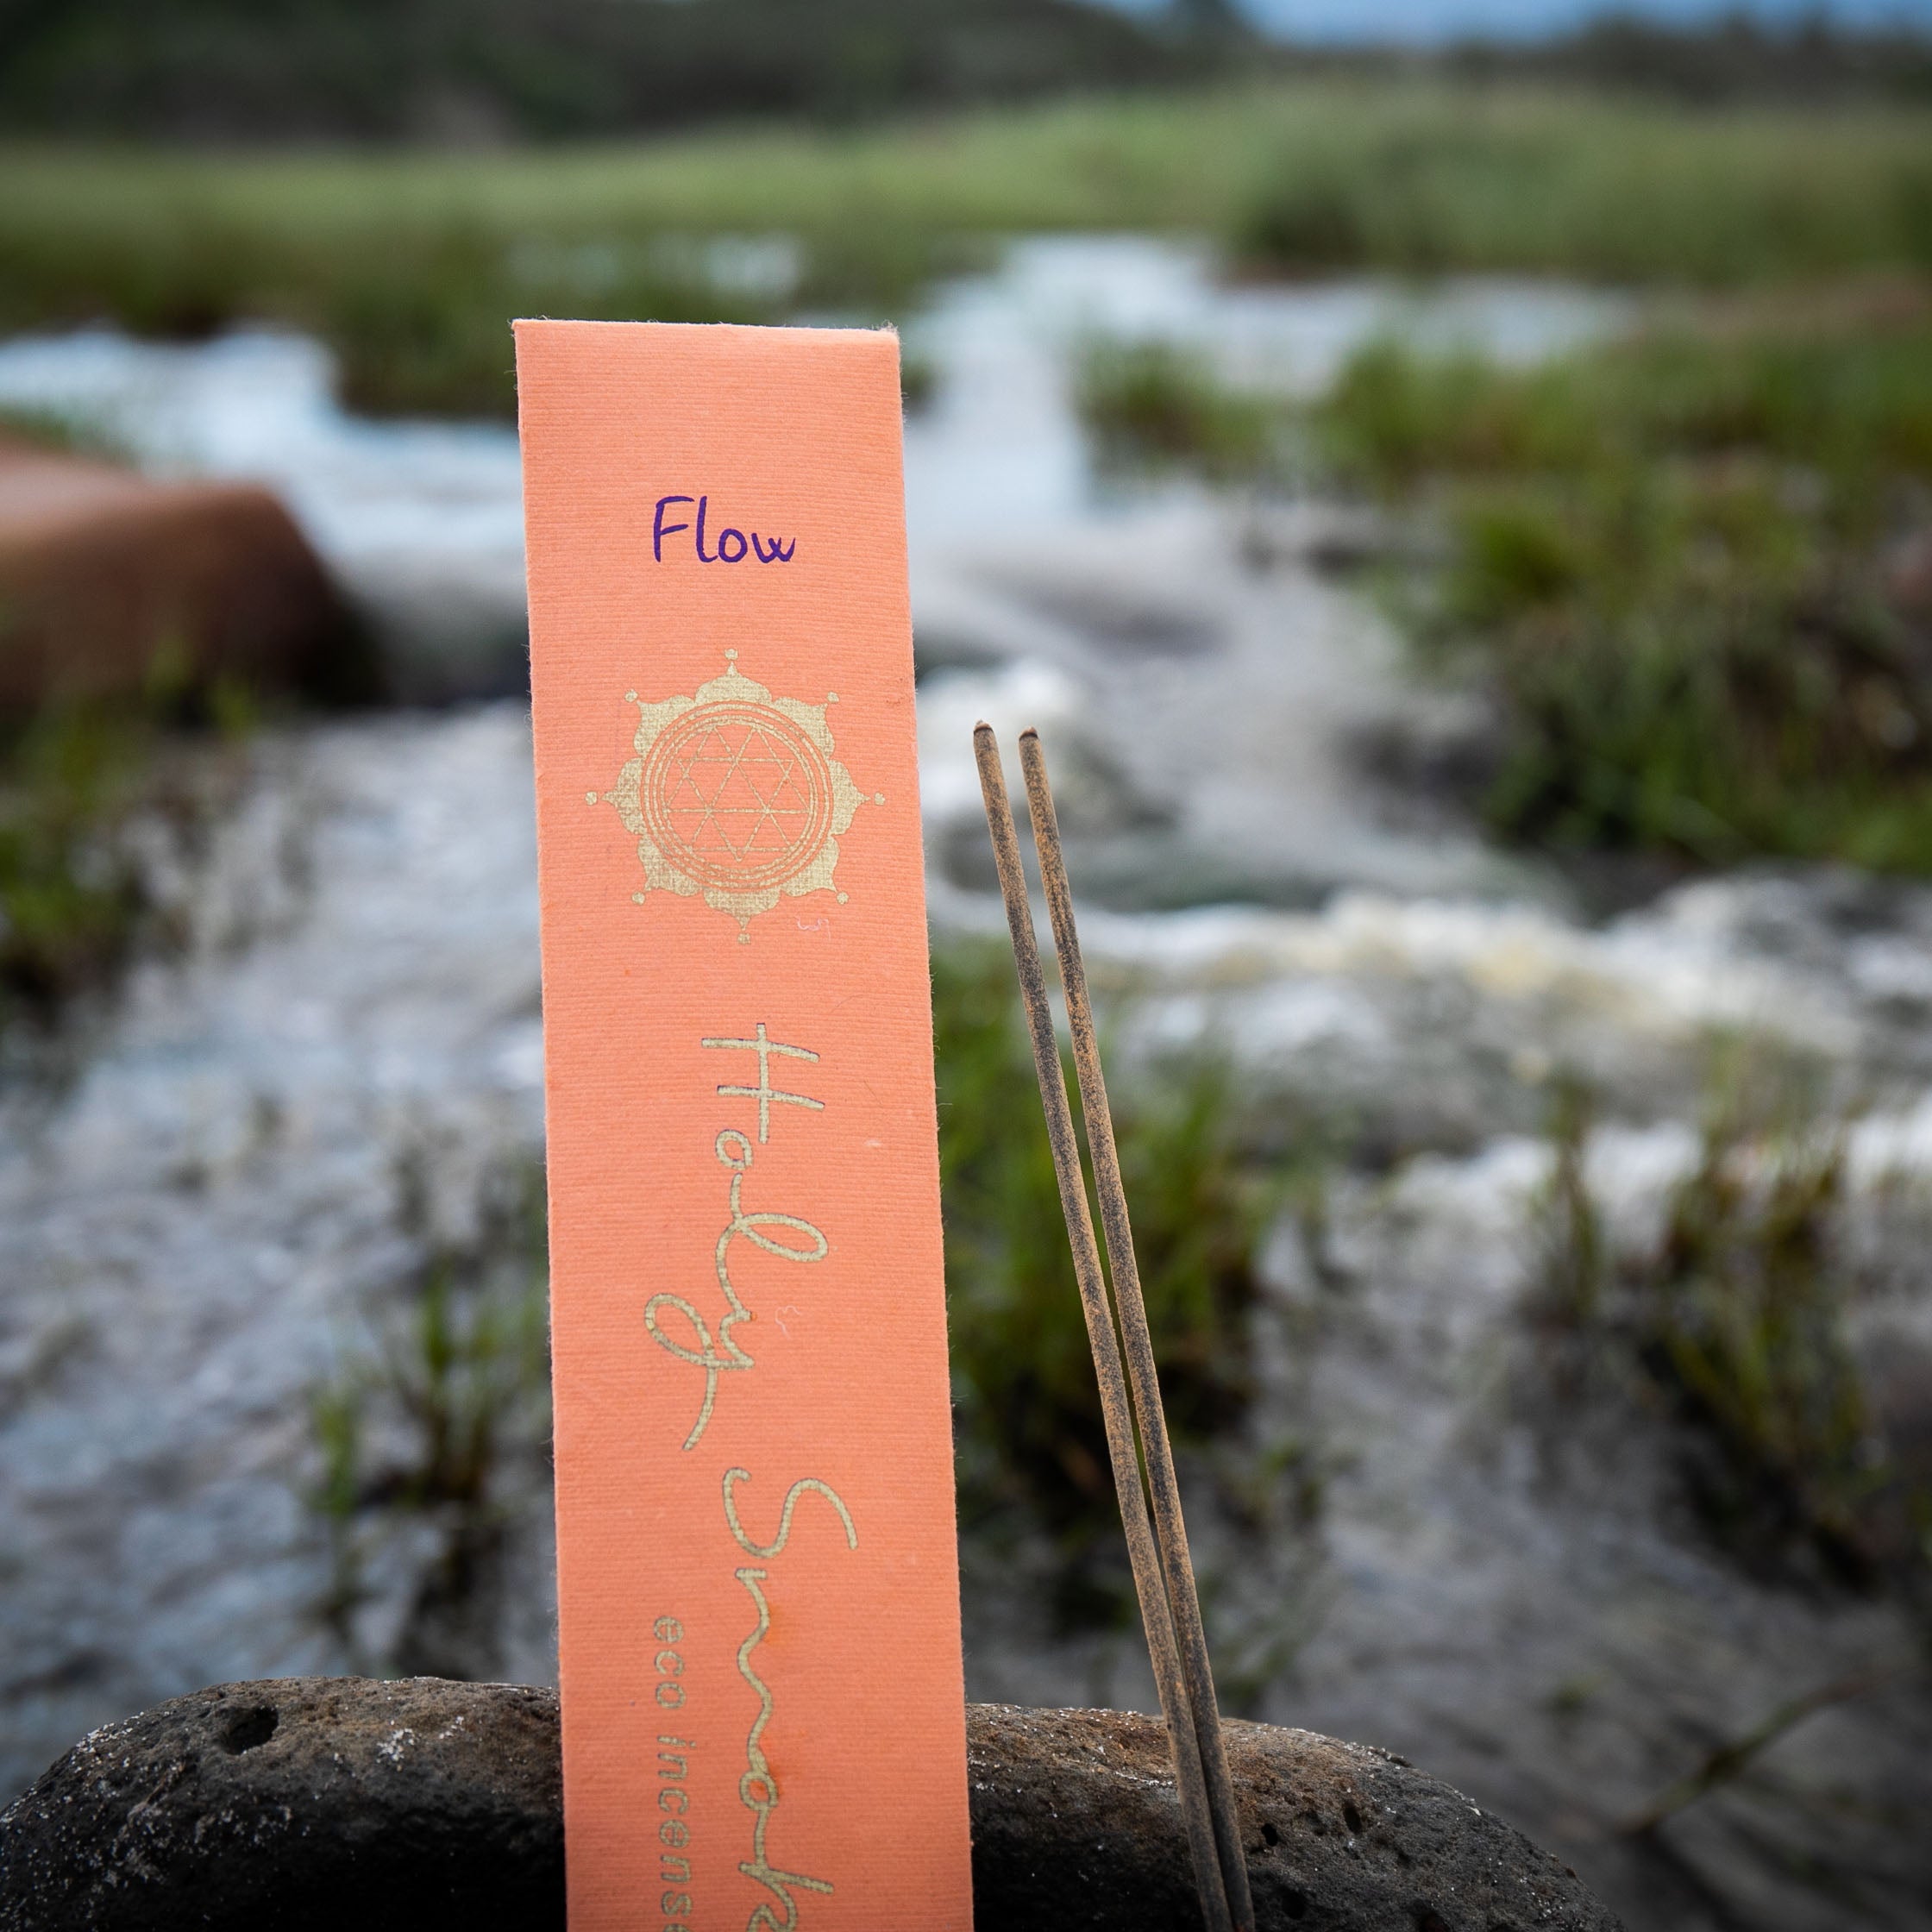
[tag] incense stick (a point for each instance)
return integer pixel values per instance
(1164, 1490)
(1163, 1650)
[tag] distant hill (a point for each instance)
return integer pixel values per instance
(478, 70)
(482, 69)
(1732, 57)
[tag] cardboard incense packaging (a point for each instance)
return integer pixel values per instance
(764, 1723)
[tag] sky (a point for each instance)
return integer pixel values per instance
(1422, 22)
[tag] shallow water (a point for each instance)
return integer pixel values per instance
(998, 451)
(265, 1141)
(1105, 605)
(273, 1134)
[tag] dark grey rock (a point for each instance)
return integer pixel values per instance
(341, 1803)
(346, 1803)
(1076, 1823)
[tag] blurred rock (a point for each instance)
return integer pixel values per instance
(1332, 539)
(110, 583)
(1908, 575)
(321, 1801)
(446, 629)
(1220, 734)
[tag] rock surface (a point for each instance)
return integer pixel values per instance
(318, 1802)
(1075, 1822)
(299, 1802)
(102, 572)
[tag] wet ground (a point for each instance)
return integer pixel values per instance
(277, 1134)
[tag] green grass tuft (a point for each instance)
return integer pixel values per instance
(1668, 561)
(1151, 406)
(78, 779)
(1743, 1318)
(427, 1423)
(71, 896)
(1736, 1319)
(1033, 1447)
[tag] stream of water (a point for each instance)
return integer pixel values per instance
(270, 1132)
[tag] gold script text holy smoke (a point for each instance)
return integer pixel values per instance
(717, 1352)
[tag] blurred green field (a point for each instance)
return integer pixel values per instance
(408, 262)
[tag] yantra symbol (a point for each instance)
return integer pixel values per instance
(736, 795)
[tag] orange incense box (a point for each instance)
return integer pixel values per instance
(763, 1718)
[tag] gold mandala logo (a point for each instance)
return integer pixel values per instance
(735, 795)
